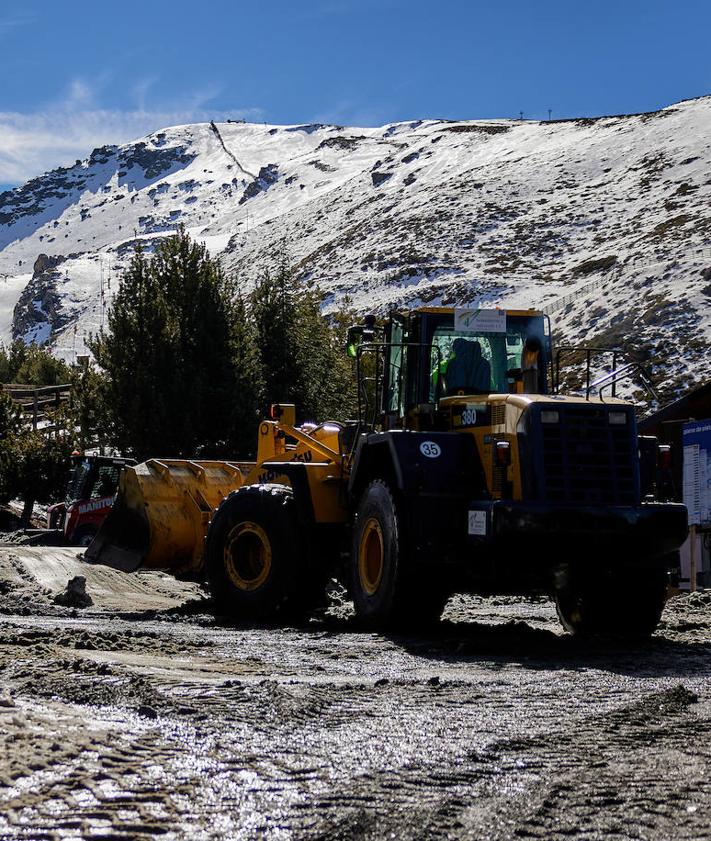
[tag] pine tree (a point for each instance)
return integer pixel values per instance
(32, 465)
(245, 402)
(9, 427)
(302, 354)
(176, 358)
(274, 310)
(134, 354)
(342, 397)
(87, 414)
(38, 470)
(32, 365)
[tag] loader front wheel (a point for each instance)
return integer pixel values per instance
(387, 591)
(253, 554)
(248, 556)
(624, 604)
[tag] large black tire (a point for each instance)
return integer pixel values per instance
(623, 604)
(387, 591)
(83, 536)
(254, 555)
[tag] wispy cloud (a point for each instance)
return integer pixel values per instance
(140, 91)
(56, 135)
(15, 19)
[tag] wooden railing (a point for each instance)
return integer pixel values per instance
(39, 403)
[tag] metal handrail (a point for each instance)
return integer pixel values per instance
(589, 353)
(623, 373)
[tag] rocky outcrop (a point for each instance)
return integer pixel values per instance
(268, 175)
(34, 196)
(39, 311)
(44, 263)
(62, 186)
(340, 144)
(154, 162)
(75, 594)
(380, 178)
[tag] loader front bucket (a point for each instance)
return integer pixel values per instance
(161, 514)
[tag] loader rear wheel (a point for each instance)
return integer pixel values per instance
(386, 589)
(622, 604)
(254, 555)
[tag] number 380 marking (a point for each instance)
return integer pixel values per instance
(430, 449)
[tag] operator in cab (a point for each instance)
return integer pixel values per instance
(465, 370)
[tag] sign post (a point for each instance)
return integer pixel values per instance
(692, 559)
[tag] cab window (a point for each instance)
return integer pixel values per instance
(394, 399)
(77, 478)
(474, 363)
(469, 363)
(106, 482)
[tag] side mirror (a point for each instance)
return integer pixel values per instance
(360, 334)
(354, 338)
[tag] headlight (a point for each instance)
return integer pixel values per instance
(617, 418)
(550, 417)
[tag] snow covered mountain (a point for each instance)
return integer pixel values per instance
(605, 222)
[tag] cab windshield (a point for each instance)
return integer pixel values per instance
(474, 363)
(104, 482)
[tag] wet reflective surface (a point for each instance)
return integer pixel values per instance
(164, 722)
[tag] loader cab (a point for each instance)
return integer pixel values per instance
(435, 353)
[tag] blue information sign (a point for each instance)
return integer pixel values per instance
(697, 471)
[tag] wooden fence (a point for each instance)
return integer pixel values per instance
(39, 404)
(616, 272)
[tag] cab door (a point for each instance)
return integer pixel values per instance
(395, 379)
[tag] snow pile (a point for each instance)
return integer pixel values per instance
(603, 221)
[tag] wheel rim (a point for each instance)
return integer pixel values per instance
(248, 556)
(371, 556)
(571, 610)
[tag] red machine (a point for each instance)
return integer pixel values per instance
(92, 486)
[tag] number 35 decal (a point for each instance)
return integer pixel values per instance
(430, 449)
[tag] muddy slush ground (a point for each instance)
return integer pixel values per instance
(144, 716)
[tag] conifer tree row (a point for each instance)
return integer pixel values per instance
(301, 353)
(187, 366)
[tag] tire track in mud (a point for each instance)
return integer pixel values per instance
(292, 733)
(605, 779)
(99, 784)
(370, 798)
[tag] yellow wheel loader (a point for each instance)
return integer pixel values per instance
(463, 472)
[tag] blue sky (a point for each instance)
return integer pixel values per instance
(77, 73)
